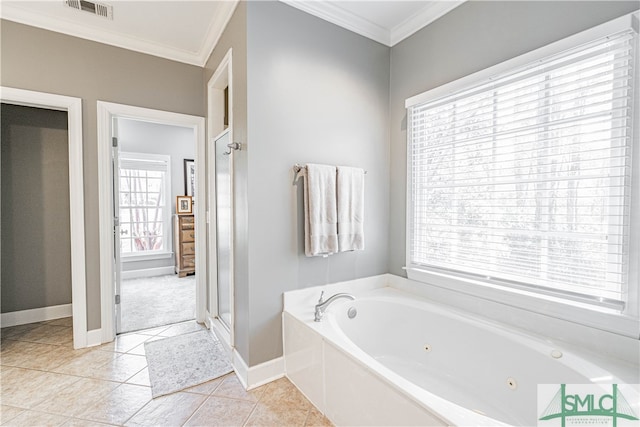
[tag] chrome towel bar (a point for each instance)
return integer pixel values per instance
(298, 167)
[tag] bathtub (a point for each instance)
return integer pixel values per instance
(402, 360)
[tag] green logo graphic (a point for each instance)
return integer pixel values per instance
(585, 405)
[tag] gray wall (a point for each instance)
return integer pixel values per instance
(36, 248)
(235, 37)
(317, 93)
(45, 61)
(472, 37)
(154, 138)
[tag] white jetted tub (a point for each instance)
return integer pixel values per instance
(402, 360)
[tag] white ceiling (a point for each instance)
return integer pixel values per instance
(187, 31)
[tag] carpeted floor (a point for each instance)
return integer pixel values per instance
(156, 301)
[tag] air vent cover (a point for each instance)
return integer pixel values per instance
(98, 9)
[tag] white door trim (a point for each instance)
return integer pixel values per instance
(106, 112)
(73, 107)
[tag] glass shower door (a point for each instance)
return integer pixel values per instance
(224, 228)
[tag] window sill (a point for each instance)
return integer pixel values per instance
(603, 319)
(145, 257)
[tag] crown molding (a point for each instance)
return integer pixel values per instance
(345, 19)
(199, 58)
(217, 27)
(425, 17)
(336, 15)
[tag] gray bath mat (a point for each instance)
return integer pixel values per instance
(184, 361)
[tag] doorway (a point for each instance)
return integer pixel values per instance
(73, 107)
(116, 234)
(36, 256)
(154, 167)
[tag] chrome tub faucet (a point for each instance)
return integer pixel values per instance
(322, 305)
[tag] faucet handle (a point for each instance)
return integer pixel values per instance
(320, 301)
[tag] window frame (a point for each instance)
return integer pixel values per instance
(167, 251)
(627, 322)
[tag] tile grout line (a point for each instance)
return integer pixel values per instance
(255, 406)
(205, 399)
(198, 408)
(85, 373)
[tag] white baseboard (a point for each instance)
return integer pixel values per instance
(241, 368)
(258, 375)
(94, 337)
(266, 372)
(23, 317)
(147, 272)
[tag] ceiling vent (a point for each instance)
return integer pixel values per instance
(98, 9)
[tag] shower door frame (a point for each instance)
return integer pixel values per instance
(221, 79)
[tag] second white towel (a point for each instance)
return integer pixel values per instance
(350, 196)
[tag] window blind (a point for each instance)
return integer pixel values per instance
(525, 179)
(134, 163)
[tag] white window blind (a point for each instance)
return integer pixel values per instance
(525, 180)
(144, 212)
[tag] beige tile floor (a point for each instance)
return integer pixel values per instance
(44, 382)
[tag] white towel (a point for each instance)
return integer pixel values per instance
(350, 208)
(320, 213)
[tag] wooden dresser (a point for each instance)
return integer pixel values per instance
(184, 243)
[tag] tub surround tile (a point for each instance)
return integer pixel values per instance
(221, 411)
(171, 410)
(303, 358)
(301, 301)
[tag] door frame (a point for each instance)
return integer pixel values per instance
(221, 78)
(73, 107)
(107, 111)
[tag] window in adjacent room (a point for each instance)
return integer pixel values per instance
(144, 208)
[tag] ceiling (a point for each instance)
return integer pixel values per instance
(187, 31)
